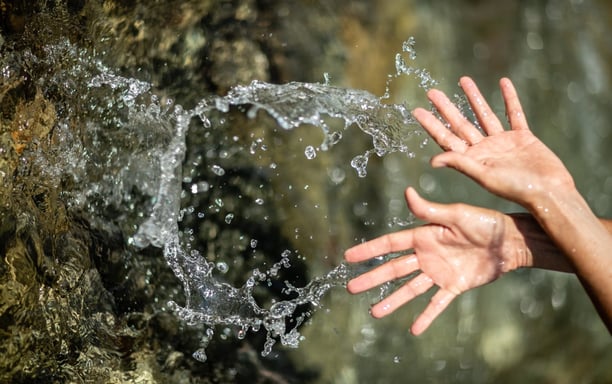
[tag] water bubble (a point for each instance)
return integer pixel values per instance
(228, 218)
(222, 267)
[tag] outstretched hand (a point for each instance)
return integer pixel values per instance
(513, 164)
(463, 247)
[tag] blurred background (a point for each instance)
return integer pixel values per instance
(79, 304)
(531, 326)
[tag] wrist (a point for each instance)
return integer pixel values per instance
(544, 204)
(530, 246)
(516, 252)
(547, 191)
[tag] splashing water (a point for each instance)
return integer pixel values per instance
(151, 162)
(212, 302)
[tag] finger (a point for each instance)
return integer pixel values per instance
(515, 113)
(419, 285)
(429, 211)
(445, 138)
(488, 120)
(439, 302)
(461, 163)
(392, 242)
(391, 270)
(462, 127)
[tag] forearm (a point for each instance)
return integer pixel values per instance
(583, 238)
(607, 224)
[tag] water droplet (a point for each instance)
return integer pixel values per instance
(333, 138)
(217, 170)
(200, 355)
(310, 152)
(326, 78)
(408, 47)
(222, 267)
(241, 333)
(359, 163)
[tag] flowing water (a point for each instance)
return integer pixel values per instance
(111, 163)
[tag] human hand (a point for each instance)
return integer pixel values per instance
(463, 247)
(513, 164)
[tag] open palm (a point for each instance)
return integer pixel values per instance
(462, 248)
(513, 164)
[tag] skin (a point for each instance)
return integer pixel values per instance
(464, 247)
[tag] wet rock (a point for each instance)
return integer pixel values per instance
(76, 301)
(230, 59)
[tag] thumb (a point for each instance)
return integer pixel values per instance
(418, 205)
(426, 210)
(464, 164)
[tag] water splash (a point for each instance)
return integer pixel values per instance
(141, 141)
(212, 302)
